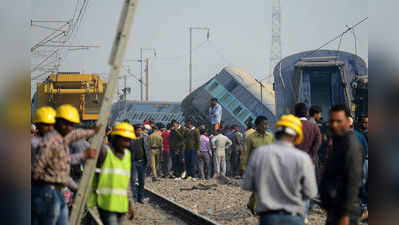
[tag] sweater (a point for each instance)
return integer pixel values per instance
(192, 139)
(176, 139)
(165, 137)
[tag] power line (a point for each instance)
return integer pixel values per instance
(219, 52)
(354, 37)
(338, 36)
(179, 57)
(332, 40)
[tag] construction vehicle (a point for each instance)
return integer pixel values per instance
(84, 91)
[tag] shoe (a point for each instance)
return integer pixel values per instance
(365, 215)
(193, 179)
(306, 221)
(171, 176)
(144, 200)
(178, 178)
(155, 179)
(189, 178)
(183, 175)
(252, 210)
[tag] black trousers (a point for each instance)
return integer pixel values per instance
(333, 216)
(177, 162)
(235, 163)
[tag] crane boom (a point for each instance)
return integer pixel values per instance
(116, 59)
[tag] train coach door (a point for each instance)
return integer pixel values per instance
(320, 91)
(322, 87)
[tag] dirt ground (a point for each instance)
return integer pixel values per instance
(225, 203)
(152, 214)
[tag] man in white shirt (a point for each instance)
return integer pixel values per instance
(220, 143)
(282, 176)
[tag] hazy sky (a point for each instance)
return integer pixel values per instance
(240, 35)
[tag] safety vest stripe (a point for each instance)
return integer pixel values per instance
(115, 171)
(108, 191)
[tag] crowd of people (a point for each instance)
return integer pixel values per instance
(300, 166)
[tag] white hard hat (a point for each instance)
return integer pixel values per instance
(351, 121)
(147, 127)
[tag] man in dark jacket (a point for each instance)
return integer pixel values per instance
(192, 146)
(342, 179)
(176, 143)
(140, 149)
(236, 149)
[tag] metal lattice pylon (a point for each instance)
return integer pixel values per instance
(275, 49)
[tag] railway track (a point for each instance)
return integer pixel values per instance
(170, 207)
(185, 214)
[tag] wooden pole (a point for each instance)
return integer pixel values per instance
(116, 59)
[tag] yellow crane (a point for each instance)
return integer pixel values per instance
(84, 91)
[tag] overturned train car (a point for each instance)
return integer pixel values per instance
(240, 95)
(323, 78)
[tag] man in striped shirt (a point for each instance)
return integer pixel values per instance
(51, 168)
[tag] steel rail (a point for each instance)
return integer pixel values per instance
(183, 213)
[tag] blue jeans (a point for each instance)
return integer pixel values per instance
(48, 206)
(307, 207)
(364, 189)
(190, 158)
(110, 218)
(278, 219)
(138, 169)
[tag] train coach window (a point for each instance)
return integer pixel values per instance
(213, 86)
(243, 114)
(226, 98)
(237, 110)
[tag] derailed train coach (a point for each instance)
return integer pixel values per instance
(240, 95)
(323, 78)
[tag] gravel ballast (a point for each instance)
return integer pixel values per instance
(224, 203)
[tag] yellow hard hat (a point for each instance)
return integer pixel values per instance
(294, 123)
(124, 129)
(68, 112)
(45, 114)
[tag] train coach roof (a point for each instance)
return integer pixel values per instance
(248, 81)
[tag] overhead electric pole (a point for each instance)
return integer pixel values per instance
(141, 68)
(191, 51)
(275, 48)
(146, 80)
(116, 59)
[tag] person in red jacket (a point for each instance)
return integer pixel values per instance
(166, 165)
(311, 133)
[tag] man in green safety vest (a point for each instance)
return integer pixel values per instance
(111, 187)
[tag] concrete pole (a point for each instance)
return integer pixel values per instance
(141, 74)
(191, 65)
(146, 80)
